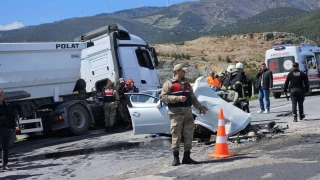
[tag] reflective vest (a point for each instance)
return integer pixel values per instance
(108, 96)
(179, 90)
(241, 86)
(245, 86)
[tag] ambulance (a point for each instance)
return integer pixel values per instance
(280, 59)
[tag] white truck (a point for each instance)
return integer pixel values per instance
(52, 86)
(280, 58)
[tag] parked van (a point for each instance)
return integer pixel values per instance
(280, 59)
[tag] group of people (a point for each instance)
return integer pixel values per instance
(234, 79)
(113, 99)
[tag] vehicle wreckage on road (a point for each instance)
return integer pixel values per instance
(149, 113)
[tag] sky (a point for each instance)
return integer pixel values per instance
(15, 14)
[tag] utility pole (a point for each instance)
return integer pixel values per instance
(59, 16)
(80, 12)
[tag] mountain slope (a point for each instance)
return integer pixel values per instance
(179, 22)
(67, 30)
(220, 12)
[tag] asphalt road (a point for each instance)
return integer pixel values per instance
(293, 155)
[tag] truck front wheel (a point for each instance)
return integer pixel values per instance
(78, 119)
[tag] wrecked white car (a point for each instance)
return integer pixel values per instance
(149, 113)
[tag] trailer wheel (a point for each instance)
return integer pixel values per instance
(78, 119)
(12, 139)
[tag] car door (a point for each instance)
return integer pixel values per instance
(148, 114)
(313, 72)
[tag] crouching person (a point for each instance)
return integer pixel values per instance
(111, 101)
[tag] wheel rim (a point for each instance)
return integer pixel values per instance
(78, 119)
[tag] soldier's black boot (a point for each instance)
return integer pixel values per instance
(187, 159)
(295, 118)
(302, 116)
(176, 160)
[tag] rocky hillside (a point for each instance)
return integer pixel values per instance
(216, 53)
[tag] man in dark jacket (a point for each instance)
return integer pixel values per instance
(7, 125)
(299, 84)
(265, 83)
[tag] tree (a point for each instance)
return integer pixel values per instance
(219, 58)
(228, 59)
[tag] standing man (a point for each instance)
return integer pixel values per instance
(123, 108)
(265, 83)
(299, 84)
(7, 125)
(178, 93)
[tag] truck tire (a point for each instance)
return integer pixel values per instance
(12, 139)
(277, 95)
(78, 119)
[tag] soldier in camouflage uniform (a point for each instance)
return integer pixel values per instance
(179, 96)
(111, 101)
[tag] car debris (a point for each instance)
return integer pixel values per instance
(257, 133)
(284, 114)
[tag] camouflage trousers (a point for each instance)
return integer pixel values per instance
(110, 110)
(182, 123)
(123, 109)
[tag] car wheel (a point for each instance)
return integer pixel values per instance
(277, 95)
(202, 132)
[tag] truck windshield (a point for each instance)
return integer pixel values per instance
(281, 64)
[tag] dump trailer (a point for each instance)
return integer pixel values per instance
(53, 86)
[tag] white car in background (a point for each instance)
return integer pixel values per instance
(149, 113)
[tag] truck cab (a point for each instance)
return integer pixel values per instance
(280, 59)
(118, 54)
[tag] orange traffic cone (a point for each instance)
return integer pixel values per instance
(221, 147)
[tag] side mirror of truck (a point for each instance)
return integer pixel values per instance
(155, 57)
